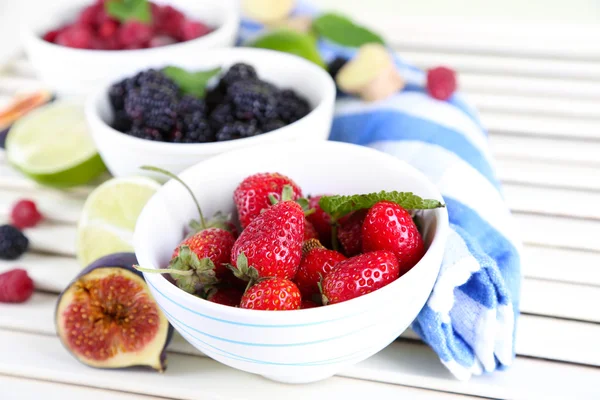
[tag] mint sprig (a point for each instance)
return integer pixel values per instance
(339, 206)
(129, 10)
(192, 83)
(341, 30)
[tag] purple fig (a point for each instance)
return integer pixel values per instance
(107, 317)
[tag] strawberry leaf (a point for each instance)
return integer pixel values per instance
(338, 206)
(129, 10)
(192, 83)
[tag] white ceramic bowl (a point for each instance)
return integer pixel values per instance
(290, 346)
(73, 72)
(124, 154)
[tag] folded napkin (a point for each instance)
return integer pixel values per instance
(470, 318)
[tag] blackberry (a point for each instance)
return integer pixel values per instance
(154, 77)
(153, 106)
(253, 100)
(221, 115)
(196, 129)
(121, 122)
(291, 107)
(13, 243)
(189, 105)
(334, 67)
(237, 130)
(214, 97)
(117, 92)
(271, 125)
(146, 132)
(238, 72)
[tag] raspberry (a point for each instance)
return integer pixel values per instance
(291, 107)
(15, 286)
(196, 129)
(169, 20)
(51, 36)
(108, 28)
(25, 214)
(190, 104)
(238, 72)
(89, 15)
(441, 82)
(161, 40)
(12, 243)
(76, 36)
(253, 100)
(190, 30)
(237, 130)
(153, 105)
(134, 34)
(271, 125)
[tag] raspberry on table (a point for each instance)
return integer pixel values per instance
(253, 100)
(24, 214)
(237, 130)
(441, 82)
(291, 107)
(239, 72)
(153, 105)
(15, 286)
(13, 243)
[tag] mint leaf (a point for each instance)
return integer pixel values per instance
(129, 10)
(192, 83)
(338, 206)
(341, 30)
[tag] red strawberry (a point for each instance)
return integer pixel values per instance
(25, 214)
(309, 231)
(360, 275)
(390, 227)
(15, 286)
(271, 243)
(320, 220)
(227, 296)
(272, 294)
(212, 243)
(350, 232)
(308, 304)
(316, 263)
(252, 195)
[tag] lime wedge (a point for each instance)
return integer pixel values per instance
(109, 215)
(289, 41)
(52, 146)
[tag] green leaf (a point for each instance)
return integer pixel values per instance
(338, 206)
(192, 83)
(289, 41)
(341, 30)
(129, 10)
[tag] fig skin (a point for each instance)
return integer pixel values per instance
(124, 261)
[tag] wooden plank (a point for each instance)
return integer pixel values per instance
(14, 388)
(548, 173)
(50, 273)
(42, 357)
(559, 232)
(562, 265)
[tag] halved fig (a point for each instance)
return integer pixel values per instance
(107, 317)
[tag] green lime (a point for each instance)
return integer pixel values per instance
(289, 41)
(52, 146)
(109, 216)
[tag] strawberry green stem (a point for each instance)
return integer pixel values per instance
(173, 176)
(189, 272)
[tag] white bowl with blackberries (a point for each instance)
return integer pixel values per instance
(173, 116)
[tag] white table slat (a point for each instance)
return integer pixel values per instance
(559, 232)
(536, 125)
(548, 173)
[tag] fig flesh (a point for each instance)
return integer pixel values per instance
(107, 317)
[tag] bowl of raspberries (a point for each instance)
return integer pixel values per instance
(75, 49)
(293, 260)
(174, 115)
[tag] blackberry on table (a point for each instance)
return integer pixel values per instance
(146, 132)
(13, 243)
(237, 130)
(196, 129)
(190, 104)
(153, 106)
(291, 107)
(334, 66)
(253, 100)
(271, 125)
(221, 115)
(238, 72)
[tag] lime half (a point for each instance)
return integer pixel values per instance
(52, 146)
(109, 216)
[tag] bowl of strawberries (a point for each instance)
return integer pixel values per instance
(293, 261)
(76, 48)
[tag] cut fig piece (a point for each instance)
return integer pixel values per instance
(107, 317)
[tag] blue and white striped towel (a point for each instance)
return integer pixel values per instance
(470, 317)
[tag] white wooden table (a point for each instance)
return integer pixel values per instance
(539, 99)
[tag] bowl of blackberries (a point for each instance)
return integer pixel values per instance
(173, 116)
(74, 47)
